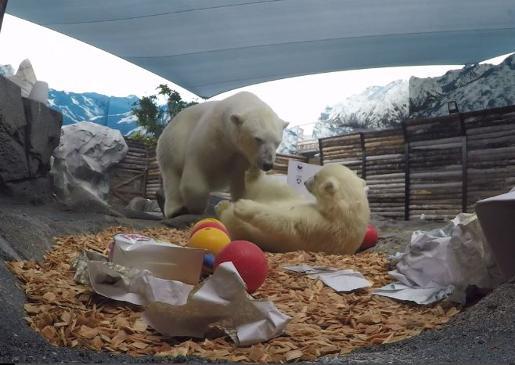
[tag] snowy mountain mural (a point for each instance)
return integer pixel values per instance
(111, 111)
(291, 137)
(473, 87)
(377, 107)
(6, 70)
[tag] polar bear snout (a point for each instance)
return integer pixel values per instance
(267, 166)
(266, 157)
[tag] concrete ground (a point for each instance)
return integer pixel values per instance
(482, 334)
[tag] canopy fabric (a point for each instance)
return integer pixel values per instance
(212, 46)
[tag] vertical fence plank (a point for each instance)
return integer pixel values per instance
(406, 172)
(363, 157)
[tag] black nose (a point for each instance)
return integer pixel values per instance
(267, 166)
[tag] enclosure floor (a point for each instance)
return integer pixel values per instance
(323, 322)
(481, 334)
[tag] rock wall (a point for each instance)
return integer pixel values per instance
(29, 132)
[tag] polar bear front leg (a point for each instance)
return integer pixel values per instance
(237, 180)
(263, 217)
(237, 187)
(194, 190)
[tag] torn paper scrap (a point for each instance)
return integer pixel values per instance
(165, 260)
(135, 286)
(338, 280)
(80, 265)
(414, 294)
(220, 302)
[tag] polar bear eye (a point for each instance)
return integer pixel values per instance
(258, 140)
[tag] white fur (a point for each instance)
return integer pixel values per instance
(280, 220)
(209, 146)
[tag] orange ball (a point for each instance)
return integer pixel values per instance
(209, 238)
(213, 223)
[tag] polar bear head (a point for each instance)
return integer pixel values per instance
(336, 185)
(258, 133)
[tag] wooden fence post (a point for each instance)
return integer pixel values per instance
(406, 173)
(464, 165)
(321, 151)
(363, 157)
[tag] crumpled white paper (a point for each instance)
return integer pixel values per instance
(443, 261)
(135, 286)
(221, 301)
(175, 308)
(338, 280)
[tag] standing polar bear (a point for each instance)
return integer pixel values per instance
(278, 219)
(209, 146)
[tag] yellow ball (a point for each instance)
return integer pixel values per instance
(211, 239)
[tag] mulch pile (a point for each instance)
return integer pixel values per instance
(323, 321)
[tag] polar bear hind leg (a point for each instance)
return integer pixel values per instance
(173, 204)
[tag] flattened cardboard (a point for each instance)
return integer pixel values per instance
(165, 260)
(497, 218)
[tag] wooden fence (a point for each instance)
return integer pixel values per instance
(137, 175)
(281, 162)
(434, 167)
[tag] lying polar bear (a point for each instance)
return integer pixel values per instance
(278, 219)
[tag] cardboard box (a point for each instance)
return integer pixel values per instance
(497, 218)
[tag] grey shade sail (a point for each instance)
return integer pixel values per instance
(212, 46)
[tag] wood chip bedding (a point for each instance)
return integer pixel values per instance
(323, 321)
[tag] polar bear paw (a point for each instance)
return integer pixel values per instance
(221, 207)
(245, 209)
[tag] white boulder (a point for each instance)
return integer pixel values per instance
(82, 161)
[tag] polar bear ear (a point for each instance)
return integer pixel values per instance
(329, 187)
(237, 119)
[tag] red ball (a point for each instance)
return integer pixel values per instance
(370, 239)
(249, 260)
(216, 225)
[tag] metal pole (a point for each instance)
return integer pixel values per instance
(3, 6)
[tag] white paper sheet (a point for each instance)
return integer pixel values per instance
(298, 173)
(339, 280)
